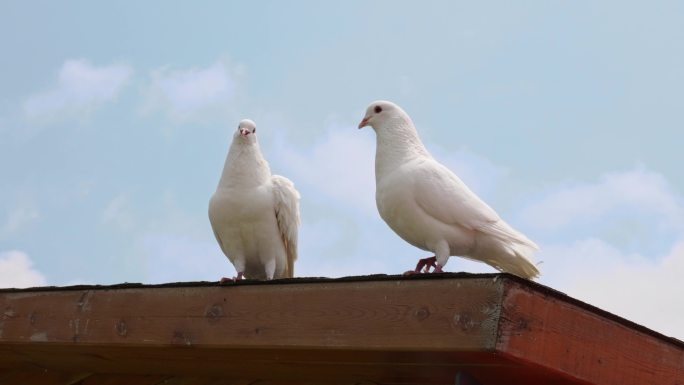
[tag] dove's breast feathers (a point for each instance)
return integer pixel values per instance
(255, 216)
(246, 228)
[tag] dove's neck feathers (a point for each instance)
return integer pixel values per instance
(397, 143)
(245, 167)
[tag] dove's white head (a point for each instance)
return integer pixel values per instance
(381, 112)
(246, 131)
(245, 165)
(398, 141)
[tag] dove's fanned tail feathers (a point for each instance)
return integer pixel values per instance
(509, 257)
(287, 213)
(519, 263)
(506, 249)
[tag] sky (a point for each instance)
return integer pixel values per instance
(566, 117)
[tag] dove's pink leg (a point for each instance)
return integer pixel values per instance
(424, 266)
(239, 277)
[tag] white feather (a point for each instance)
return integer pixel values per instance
(255, 216)
(431, 208)
(287, 213)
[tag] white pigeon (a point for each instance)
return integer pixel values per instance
(254, 215)
(431, 208)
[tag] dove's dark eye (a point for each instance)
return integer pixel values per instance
(378, 109)
(253, 130)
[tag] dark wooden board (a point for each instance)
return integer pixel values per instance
(494, 329)
(413, 315)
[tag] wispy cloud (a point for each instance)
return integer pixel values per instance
(119, 212)
(170, 243)
(172, 258)
(638, 191)
(185, 94)
(81, 88)
(338, 166)
(16, 270)
(18, 217)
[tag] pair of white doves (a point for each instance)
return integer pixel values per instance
(255, 215)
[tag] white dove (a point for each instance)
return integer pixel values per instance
(431, 208)
(254, 215)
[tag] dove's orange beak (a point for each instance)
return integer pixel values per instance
(363, 123)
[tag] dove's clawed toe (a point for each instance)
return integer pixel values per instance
(426, 265)
(239, 277)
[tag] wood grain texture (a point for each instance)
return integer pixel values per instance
(40, 376)
(499, 330)
(122, 379)
(548, 331)
(288, 366)
(446, 314)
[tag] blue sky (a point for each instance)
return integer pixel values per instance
(566, 117)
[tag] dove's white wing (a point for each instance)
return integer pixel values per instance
(213, 212)
(504, 231)
(286, 200)
(442, 195)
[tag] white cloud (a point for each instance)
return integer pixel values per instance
(173, 258)
(638, 192)
(19, 217)
(81, 88)
(118, 212)
(190, 93)
(16, 270)
(168, 242)
(339, 167)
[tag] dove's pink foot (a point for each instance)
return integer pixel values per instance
(239, 277)
(424, 266)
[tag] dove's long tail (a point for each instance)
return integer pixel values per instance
(505, 256)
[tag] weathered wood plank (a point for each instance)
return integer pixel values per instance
(215, 381)
(283, 365)
(411, 315)
(204, 381)
(40, 376)
(123, 379)
(544, 330)
(416, 331)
